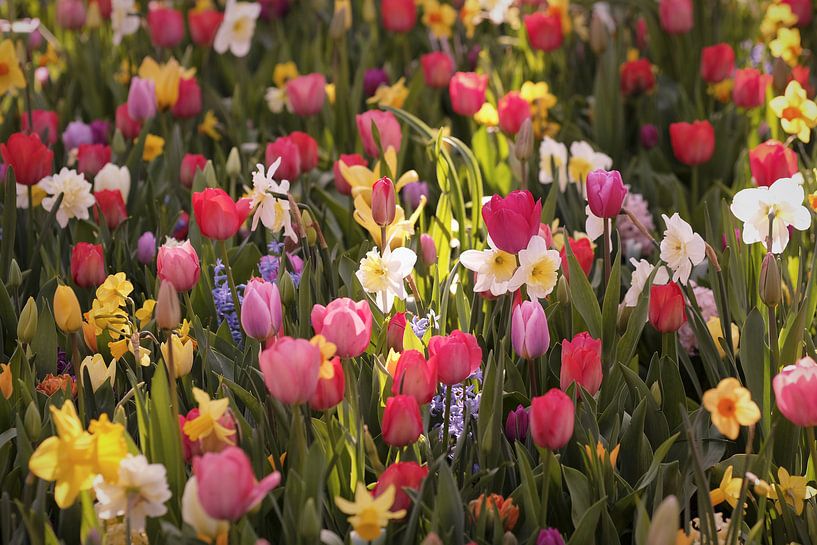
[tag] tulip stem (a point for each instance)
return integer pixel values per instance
(812, 447)
(606, 242)
(448, 396)
(543, 512)
(695, 184)
(30, 212)
(534, 383)
(230, 280)
(171, 376)
(668, 345)
(73, 339)
(774, 359)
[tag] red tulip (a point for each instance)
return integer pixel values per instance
(217, 216)
(795, 392)
(641, 33)
(395, 331)
(285, 148)
(513, 110)
(191, 163)
(438, 67)
(349, 159)
(398, 15)
(717, 62)
(329, 391)
(45, 124)
(581, 363)
(467, 90)
(166, 26)
(636, 77)
(178, 264)
(455, 356)
(415, 376)
(307, 94)
(189, 103)
(803, 9)
(544, 31)
(802, 75)
(605, 193)
(750, 88)
(345, 323)
(71, 14)
(667, 310)
(771, 161)
(88, 265)
(391, 135)
(401, 475)
(582, 251)
(692, 143)
(383, 202)
(112, 206)
(92, 157)
(307, 150)
(676, 16)
(512, 221)
(551, 419)
(28, 156)
(291, 369)
(402, 422)
(203, 25)
(129, 127)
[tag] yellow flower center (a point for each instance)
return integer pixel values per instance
(238, 26)
(375, 272)
(579, 168)
(502, 265)
(367, 524)
(542, 274)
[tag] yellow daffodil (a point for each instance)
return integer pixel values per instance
(487, 115)
(207, 422)
(793, 488)
(362, 178)
(154, 146)
(110, 447)
(728, 491)
(777, 16)
(798, 114)
(391, 361)
(327, 371)
(145, 313)
(166, 79)
(209, 126)
(390, 95)
(601, 452)
(182, 355)
(11, 75)
(561, 8)
(114, 292)
(330, 93)
(731, 407)
(470, 16)
(6, 381)
(787, 45)
(108, 317)
(283, 72)
(121, 347)
(812, 201)
(721, 91)
(540, 91)
(397, 231)
(716, 331)
(98, 371)
(370, 515)
(123, 76)
(439, 18)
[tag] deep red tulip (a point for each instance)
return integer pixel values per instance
(583, 252)
(285, 148)
(28, 156)
(402, 422)
(692, 143)
(717, 62)
(112, 206)
(191, 163)
(636, 77)
(456, 356)
(88, 265)
(189, 103)
(544, 31)
(401, 475)
(203, 25)
(46, 125)
(771, 161)
(398, 15)
(307, 150)
(667, 309)
(92, 157)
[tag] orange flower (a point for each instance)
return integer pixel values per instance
(508, 512)
(52, 384)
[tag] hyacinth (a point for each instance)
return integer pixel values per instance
(634, 242)
(465, 397)
(223, 299)
(709, 309)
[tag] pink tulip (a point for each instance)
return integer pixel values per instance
(166, 26)
(307, 94)
(383, 202)
(330, 391)
(467, 90)
(456, 356)
(438, 67)
(287, 149)
(227, 487)
(391, 135)
(551, 419)
(512, 221)
(71, 14)
(529, 330)
(676, 16)
(290, 368)
(605, 193)
(544, 30)
(141, 99)
(402, 422)
(415, 376)
(178, 264)
(346, 323)
(261, 312)
(513, 110)
(398, 15)
(795, 391)
(191, 163)
(581, 363)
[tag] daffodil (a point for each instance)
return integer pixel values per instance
(209, 126)
(470, 16)
(271, 211)
(583, 160)
(330, 93)
(553, 163)
(487, 115)
(362, 178)
(681, 248)
(110, 446)
(283, 72)
(721, 91)
(797, 114)
(114, 291)
(154, 146)
(390, 95)
(166, 79)
(793, 488)
(538, 269)
(208, 421)
(11, 75)
(538, 92)
(728, 491)
(145, 313)
(328, 349)
(731, 407)
(778, 15)
(384, 275)
(369, 515)
(787, 45)
(439, 18)
(494, 268)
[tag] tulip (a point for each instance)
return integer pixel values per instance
(372, 79)
(203, 25)
(771, 161)
(67, 313)
(750, 88)
(648, 136)
(401, 475)
(28, 156)
(290, 368)
(45, 124)
(182, 356)
(227, 487)
(402, 422)
(428, 250)
(636, 77)
(667, 311)
(307, 150)
(71, 14)
(395, 331)
(329, 391)
(168, 311)
(141, 99)
(676, 16)
(467, 90)
(129, 127)
(349, 159)
(113, 177)
(28, 322)
(307, 94)
(110, 204)
(146, 248)
(513, 220)
(178, 264)
(717, 62)
(191, 164)
(641, 33)
(391, 135)
(261, 312)
(87, 265)
(692, 143)
(189, 103)
(98, 371)
(605, 193)
(92, 157)
(551, 419)
(414, 192)
(795, 392)
(194, 514)
(76, 134)
(287, 150)
(550, 536)
(398, 15)
(101, 129)
(274, 9)
(803, 9)
(583, 252)
(456, 356)
(513, 110)
(345, 323)
(383, 202)
(166, 26)
(771, 285)
(438, 67)
(217, 216)
(529, 330)
(415, 376)
(182, 226)
(544, 31)
(516, 424)
(581, 363)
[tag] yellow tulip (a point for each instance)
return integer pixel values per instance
(154, 146)
(98, 371)
(166, 79)
(182, 355)
(67, 313)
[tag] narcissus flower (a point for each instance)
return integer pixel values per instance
(237, 29)
(11, 75)
(494, 268)
(154, 147)
(797, 114)
(140, 491)
(538, 269)
(271, 211)
(787, 45)
(728, 490)
(369, 515)
(383, 275)
(208, 421)
(584, 159)
(681, 248)
(731, 407)
(439, 18)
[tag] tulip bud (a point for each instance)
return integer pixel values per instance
(15, 275)
(395, 331)
(32, 421)
(551, 419)
(563, 292)
(655, 391)
(664, 527)
(516, 424)
(309, 224)
(371, 451)
(523, 145)
(432, 539)
(287, 288)
(771, 288)
(67, 313)
(233, 166)
(168, 311)
(509, 539)
(341, 20)
(118, 146)
(309, 525)
(146, 248)
(402, 422)
(599, 34)
(27, 325)
(428, 250)
(383, 202)
(369, 11)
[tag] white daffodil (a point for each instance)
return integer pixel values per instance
(76, 191)
(584, 160)
(681, 248)
(273, 212)
(124, 19)
(277, 100)
(553, 162)
(238, 27)
(642, 272)
(494, 268)
(383, 275)
(113, 177)
(140, 492)
(538, 268)
(784, 200)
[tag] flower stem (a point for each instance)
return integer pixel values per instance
(543, 509)
(230, 280)
(774, 359)
(446, 426)
(534, 383)
(668, 347)
(171, 376)
(695, 184)
(606, 243)
(73, 339)
(812, 446)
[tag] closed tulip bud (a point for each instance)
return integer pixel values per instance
(432, 539)
(178, 264)
(233, 166)
(168, 311)
(383, 202)
(291, 370)
(550, 536)
(120, 416)
(15, 275)
(456, 356)
(551, 419)
(309, 224)
(581, 363)
(563, 292)
(261, 312)
(87, 265)
(309, 523)
(395, 331)
(27, 324)
(341, 21)
(509, 539)
(605, 193)
(512, 220)
(32, 421)
(599, 33)
(516, 424)
(428, 250)
(67, 313)
(664, 526)
(529, 330)
(415, 376)
(118, 145)
(287, 288)
(142, 99)
(402, 422)
(655, 392)
(146, 248)
(330, 391)
(771, 287)
(667, 311)
(523, 145)
(182, 355)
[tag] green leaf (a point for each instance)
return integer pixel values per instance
(582, 295)
(586, 527)
(44, 343)
(449, 513)
(9, 224)
(609, 315)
